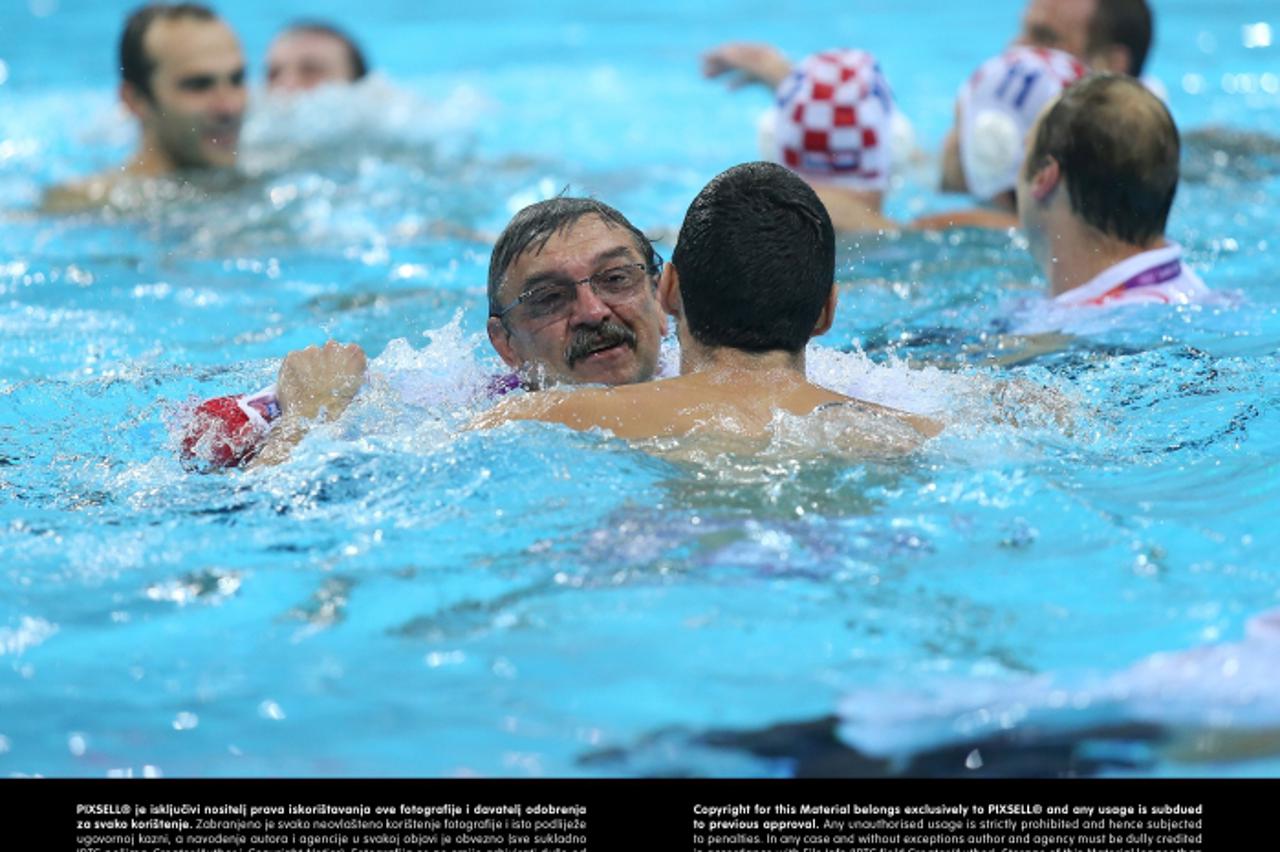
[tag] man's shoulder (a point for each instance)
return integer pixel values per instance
(624, 409)
(555, 405)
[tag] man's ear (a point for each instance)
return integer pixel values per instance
(669, 291)
(138, 104)
(1045, 179)
(828, 315)
(500, 338)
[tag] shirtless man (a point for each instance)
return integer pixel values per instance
(183, 80)
(751, 281)
(307, 54)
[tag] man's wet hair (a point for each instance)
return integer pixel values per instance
(756, 259)
(359, 65)
(1124, 22)
(1118, 149)
(136, 66)
(533, 226)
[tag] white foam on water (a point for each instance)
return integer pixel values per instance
(895, 384)
(446, 373)
(29, 633)
(372, 115)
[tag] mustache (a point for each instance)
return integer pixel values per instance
(588, 339)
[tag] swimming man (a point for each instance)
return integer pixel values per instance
(572, 292)
(183, 80)
(1094, 196)
(308, 53)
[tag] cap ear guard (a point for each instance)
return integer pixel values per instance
(903, 140)
(991, 152)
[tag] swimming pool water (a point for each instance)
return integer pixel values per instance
(405, 599)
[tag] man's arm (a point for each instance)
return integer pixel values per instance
(315, 385)
(976, 218)
(570, 408)
(78, 197)
(747, 62)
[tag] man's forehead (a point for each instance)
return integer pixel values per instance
(312, 44)
(585, 242)
(190, 45)
(1067, 17)
(1061, 24)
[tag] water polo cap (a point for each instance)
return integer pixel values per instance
(834, 120)
(999, 104)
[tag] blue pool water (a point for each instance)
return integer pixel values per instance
(403, 599)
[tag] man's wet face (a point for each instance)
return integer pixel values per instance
(197, 91)
(1060, 24)
(598, 340)
(301, 60)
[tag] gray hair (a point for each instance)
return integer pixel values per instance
(532, 227)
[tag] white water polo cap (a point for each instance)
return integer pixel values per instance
(834, 120)
(998, 106)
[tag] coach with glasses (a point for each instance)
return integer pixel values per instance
(572, 300)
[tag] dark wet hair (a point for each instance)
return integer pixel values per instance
(1118, 149)
(359, 67)
(136, 66)
(756, 259)
(532, 227)
(1124, 22)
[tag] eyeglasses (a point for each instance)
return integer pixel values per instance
(548, 301)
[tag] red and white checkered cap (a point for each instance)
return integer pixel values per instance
(998, 105)
(833, 120)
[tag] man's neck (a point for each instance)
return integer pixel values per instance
(696, 359)
(853, 209)
(150, 160)
(1078, 253)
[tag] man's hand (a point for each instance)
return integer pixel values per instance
(749, 62)
(312, 381)
(319, 380)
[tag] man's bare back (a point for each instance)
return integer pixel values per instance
(722, 401)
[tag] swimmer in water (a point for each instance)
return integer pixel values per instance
(1094, 195)
(751, 281)
(572, 300)
(1105, 35)
(183, 80)
(307, 54)
(834, 123)
(1110, 36)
